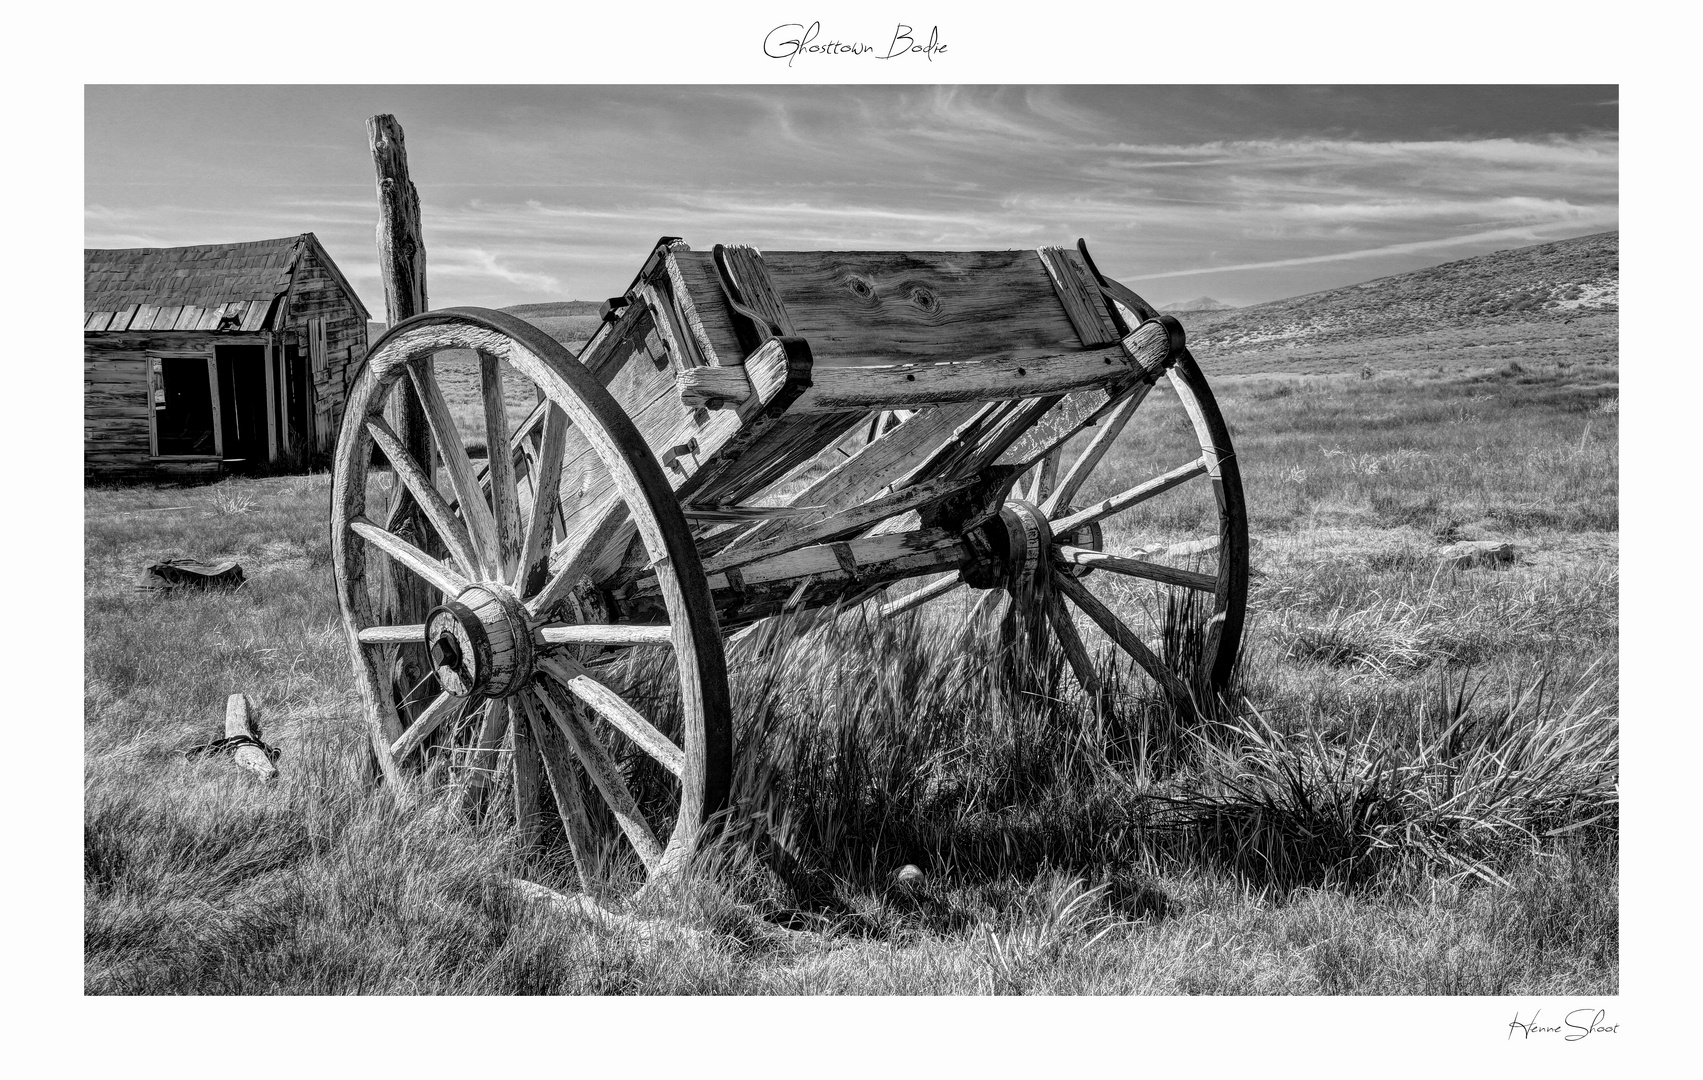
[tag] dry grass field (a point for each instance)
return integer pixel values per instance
(1412, 791)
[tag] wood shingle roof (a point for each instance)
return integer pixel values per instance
(204, 287)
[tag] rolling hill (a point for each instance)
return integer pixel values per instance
(1546, 295)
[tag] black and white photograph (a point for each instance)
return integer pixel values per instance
(934, 537)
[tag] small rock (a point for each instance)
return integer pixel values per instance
(1470, 553)
(909, 877)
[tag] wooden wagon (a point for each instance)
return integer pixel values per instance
(706, 463)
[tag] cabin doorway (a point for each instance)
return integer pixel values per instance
(242, 403)
(213, 405)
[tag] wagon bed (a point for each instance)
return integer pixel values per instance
(726, 449)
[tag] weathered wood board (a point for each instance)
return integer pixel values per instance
(862, 307)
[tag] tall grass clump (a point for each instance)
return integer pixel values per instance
(1467, 792)
(1067, 919)
(864, 744)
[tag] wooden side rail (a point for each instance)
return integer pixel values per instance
(1145, 351)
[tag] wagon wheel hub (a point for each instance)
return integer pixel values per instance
(1026, 535)
(480, 643)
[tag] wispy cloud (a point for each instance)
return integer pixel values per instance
(541, 193)
(1490, 236)
(479, 264)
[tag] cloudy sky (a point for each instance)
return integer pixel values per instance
(552, 193)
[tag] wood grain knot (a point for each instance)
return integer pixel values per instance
(861, 287)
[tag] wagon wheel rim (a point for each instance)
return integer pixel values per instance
(519, 618)
(1039, 611)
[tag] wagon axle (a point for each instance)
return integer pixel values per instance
(483, 643)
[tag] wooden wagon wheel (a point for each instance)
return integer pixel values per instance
(519, 642)
(1061, 569)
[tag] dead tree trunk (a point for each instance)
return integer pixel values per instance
(402, 265)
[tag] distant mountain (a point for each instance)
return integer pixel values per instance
(1545, 283)
(555, 310)
(571, 322)
(1200, 303)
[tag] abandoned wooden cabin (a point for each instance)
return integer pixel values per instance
(215, 357)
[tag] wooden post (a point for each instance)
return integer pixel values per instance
(401, 249)
(218, 422)
(402, 266)
(240, 721)
(271, 399)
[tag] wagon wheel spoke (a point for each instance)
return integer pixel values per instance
(604, 774)
(393, 635)
(1046, 475)
(1023, 629)
(430, 570)
(608, 634)
(505, 495)
(1104, 437)
(1122, 635)
(1064, 629)
(1140, 493)
(578, 554)
(413, 476)
(613, 708)
(482, 763)
(564, 782)
(468, 495)
(921, 596)
(546, 476)
(441, 709)
(526, 774)
(1065, 555)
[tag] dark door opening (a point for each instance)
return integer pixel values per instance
(183, 406)
(242, 402)
(298, 412)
